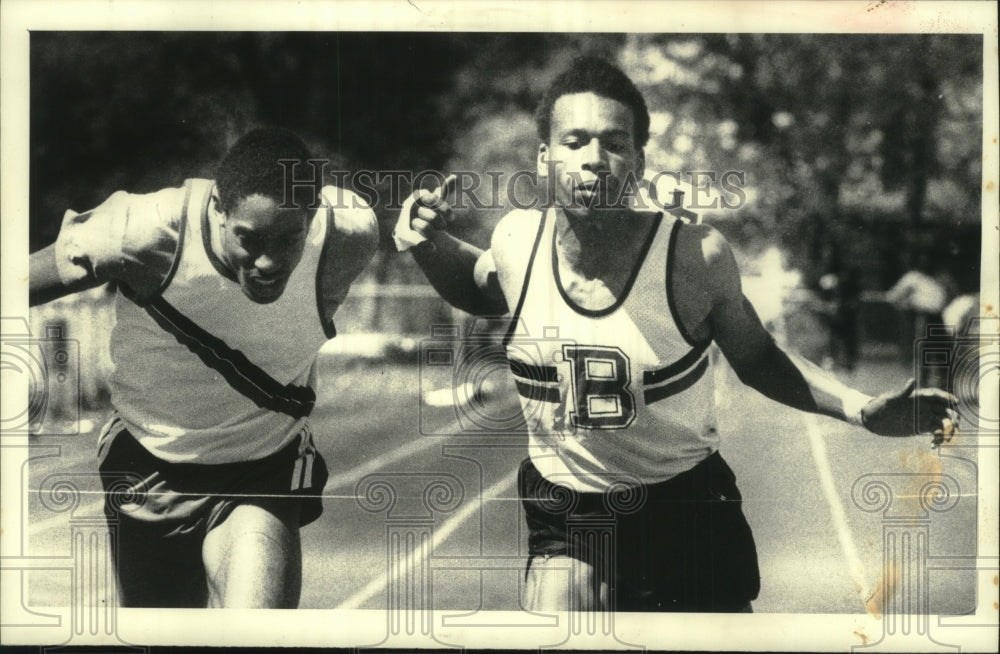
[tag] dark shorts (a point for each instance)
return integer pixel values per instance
(160, 512)
(681, 545)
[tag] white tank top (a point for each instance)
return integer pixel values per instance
(222, 378)
(614, 396)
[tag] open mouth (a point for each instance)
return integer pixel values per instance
(269, 283)
(265, 281)
(599, 193)
(593, 193)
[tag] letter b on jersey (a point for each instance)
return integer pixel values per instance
(600, 387)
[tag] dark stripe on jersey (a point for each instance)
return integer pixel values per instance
(679, 386)
(238, 371)
(636, 268)
(532, 372)
(537, 393)
(675, 368)
(516, 316)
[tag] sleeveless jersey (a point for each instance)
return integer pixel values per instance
(615, 396)
(204, 374)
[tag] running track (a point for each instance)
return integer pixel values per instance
(819, 553)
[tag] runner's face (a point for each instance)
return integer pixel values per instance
(591, 153)
(263, 243)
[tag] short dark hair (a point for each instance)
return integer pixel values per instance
(251, 167)
(594, 75)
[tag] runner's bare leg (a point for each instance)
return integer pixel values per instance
(254, 558)
(562, 583)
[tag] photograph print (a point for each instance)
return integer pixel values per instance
(429, 337)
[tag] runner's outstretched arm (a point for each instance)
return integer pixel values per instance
(102, 245)
(792, 380)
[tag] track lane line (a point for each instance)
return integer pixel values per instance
(818, 447)
(419, 444)
(448, 527)
(378, 463)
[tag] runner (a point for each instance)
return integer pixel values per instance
(614, 310)
(226, 291)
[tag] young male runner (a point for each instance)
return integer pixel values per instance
(613, 313)
(226, 291)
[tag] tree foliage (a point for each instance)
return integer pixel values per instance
(870, 140)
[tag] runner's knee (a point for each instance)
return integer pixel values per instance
(251, 536)
(255, 567)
